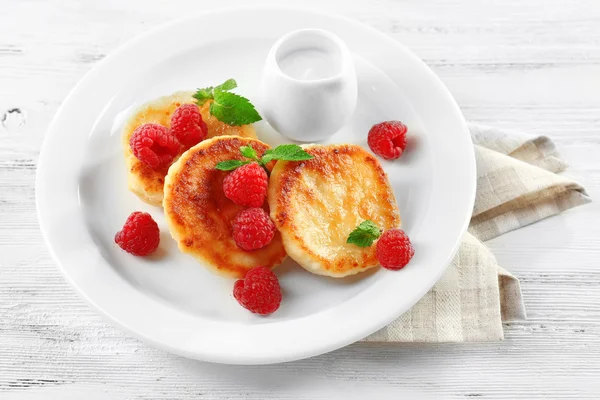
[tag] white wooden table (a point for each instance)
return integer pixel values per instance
(530, 65)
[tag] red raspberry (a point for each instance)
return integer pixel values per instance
(259, 292)
(247, 185)
(253, 229)
(154, 145)
(140, 235)
(388, 139)
(394, 249)
(187, 125)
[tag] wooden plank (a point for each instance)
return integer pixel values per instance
(533, 66)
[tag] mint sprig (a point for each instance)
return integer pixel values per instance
(364, 234)
(228, 107)
(233, 109)
(284, 152)
(249, 152)
(229, 84)
(230, 165)
(202, 95)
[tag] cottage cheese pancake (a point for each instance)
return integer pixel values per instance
(315, 204)
(146, 182)
(199, 215)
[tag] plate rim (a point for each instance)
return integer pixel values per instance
(228, 358)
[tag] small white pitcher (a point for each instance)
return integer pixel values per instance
(309, 88)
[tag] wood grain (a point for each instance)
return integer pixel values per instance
(533, 66)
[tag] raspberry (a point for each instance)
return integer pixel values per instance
(187, 125)
(140, 234)
(394, 249)
(388, 139)
(154, 145)
(247, 185)
(253, 229)
(259, 292)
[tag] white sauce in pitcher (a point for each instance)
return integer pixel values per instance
(310, 64)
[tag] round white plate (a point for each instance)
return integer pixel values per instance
(171, 301)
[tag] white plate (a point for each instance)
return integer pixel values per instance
(172, 302)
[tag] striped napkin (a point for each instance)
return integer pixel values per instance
(517, 184)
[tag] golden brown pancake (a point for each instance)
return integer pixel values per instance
(315, 204)
(199, 215)
(145, 182)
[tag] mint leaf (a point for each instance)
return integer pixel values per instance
(227, 107)
(233, 109)
(249, 152)
(202, 95)
(227, 85)
(230, 165)
(364, 234)
(286, 152)
(267, 157)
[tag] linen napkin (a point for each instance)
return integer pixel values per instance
(517, 184)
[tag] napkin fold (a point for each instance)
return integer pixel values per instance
(517, 184)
